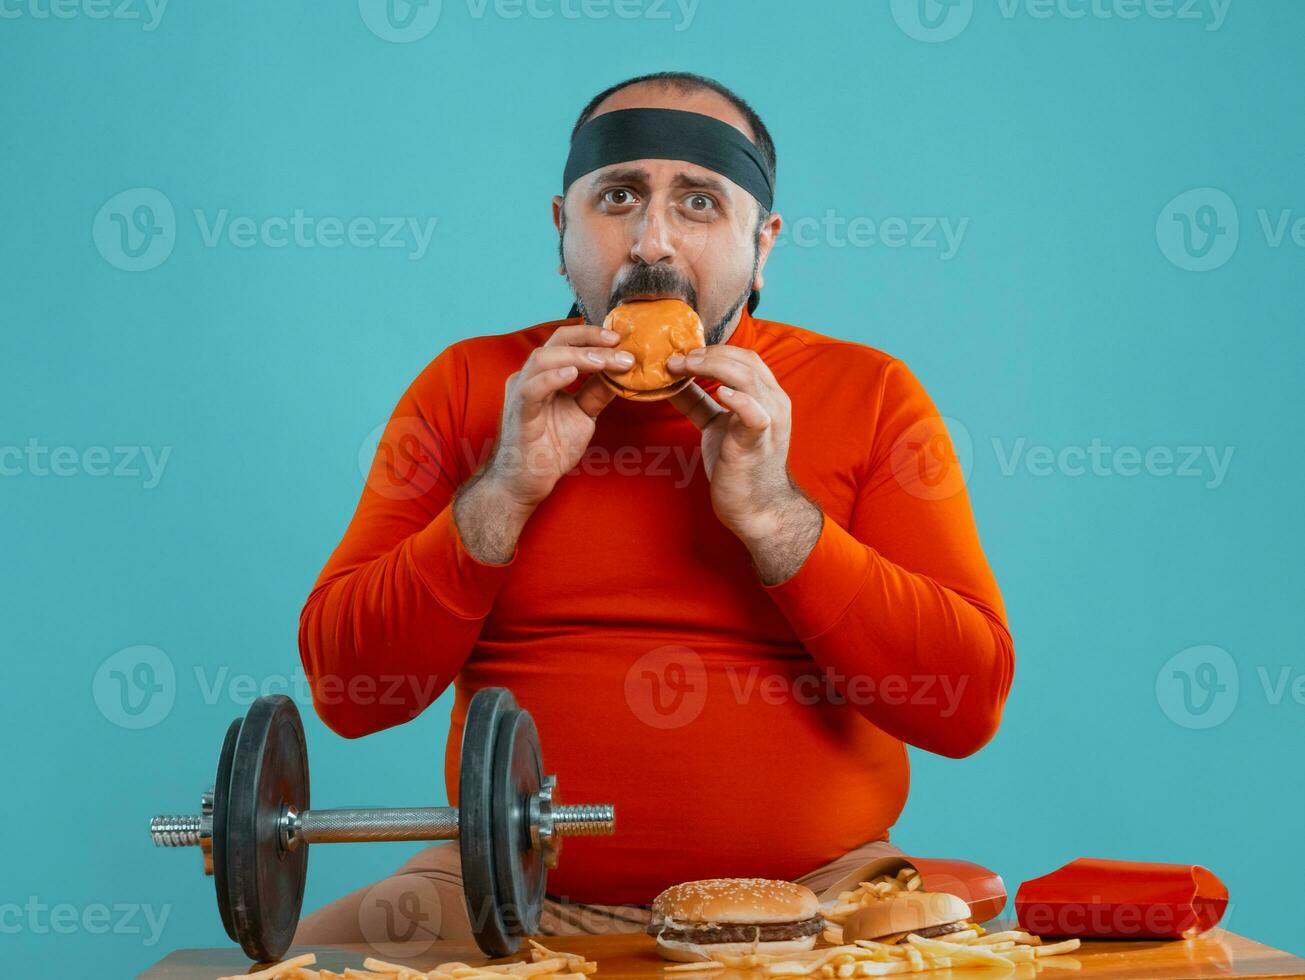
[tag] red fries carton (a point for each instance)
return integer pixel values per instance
(1101, 899)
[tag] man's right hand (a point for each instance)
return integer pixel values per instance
(543, 433)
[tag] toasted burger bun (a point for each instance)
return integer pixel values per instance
(696, 952)
(891, 918)
(652, 330)
(742, 900)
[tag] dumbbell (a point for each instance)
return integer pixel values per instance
(256, 825)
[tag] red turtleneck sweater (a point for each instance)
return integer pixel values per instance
(739, 729)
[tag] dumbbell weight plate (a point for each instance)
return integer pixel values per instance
(475, 820)
(266, 882)
(221, 798)
(518, 774)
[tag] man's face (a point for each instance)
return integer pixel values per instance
(663, 228)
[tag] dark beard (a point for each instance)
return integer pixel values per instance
(717, 331)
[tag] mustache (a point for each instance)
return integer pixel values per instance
(653, 279)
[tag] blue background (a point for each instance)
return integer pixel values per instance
(1062, 318)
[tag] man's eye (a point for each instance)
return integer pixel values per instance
(618, 195)
(700, 202)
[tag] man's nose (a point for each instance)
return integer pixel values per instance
(654, 238)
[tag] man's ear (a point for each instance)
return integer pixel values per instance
(558, 202)
(765, 242)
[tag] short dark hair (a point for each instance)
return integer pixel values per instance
(685, 82)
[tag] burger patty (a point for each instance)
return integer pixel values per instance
(933, 932)
(737, 932)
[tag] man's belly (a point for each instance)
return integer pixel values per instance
(720, 761)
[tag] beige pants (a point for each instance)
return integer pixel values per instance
(423, 901)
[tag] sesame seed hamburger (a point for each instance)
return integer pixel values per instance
(734, 915)
(929, 915)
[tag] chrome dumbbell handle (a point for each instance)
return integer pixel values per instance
(369, 824)
(420, 823)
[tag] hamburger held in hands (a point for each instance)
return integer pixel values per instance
(652, 330)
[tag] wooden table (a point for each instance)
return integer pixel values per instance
(633, 957)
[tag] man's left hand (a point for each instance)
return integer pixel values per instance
(745, 440)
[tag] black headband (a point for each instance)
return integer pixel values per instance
(669, 134)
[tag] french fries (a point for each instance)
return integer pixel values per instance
(866, 958)
(970, 947)
(543, 963)
(908, 879)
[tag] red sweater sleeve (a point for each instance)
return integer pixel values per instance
(400, 603)
(900, 607)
